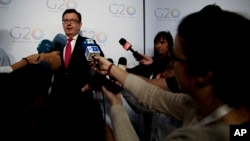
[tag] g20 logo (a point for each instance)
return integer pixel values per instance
(5, 2)
(59, 4)
(122, 9)
(167, 13)
(26, 33)
(100, 37)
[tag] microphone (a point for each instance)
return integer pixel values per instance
(59, 42)
(45, 46)
(98, 80)
(90, 48)
(110, 60)
(127, 46)
(122, 63)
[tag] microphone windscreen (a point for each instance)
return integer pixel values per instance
(45, 46)
(59, 41)
(122, 41)
(125, 44)
(110, 60)
(122, 61)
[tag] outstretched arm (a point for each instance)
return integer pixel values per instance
(52, 59)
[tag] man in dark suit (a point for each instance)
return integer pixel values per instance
(70, 113)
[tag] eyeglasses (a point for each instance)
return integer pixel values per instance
(73, 21)
(174, 58)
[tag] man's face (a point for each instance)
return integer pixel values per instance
(71, 24)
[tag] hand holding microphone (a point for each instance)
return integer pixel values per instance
(106, 67)
(147, 60)
(58, 43)
(49, 51)
(103, 67)
(52, 58)
(91, 50)
(99, 80)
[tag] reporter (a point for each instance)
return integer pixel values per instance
(151, 97)
(153, 67)
(214, 99)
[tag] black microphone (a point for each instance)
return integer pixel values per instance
(127, 46)
(110, 60)
(122, 63)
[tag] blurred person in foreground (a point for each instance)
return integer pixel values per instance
(215, 91)
(24, 85)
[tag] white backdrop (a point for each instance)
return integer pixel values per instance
(166, 14)
(24, 23)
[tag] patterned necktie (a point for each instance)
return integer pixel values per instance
(68, 53)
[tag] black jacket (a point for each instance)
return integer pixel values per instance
(74, 114)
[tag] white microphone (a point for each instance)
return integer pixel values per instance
(90, 48)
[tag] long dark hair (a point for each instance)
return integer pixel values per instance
(165, 35)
